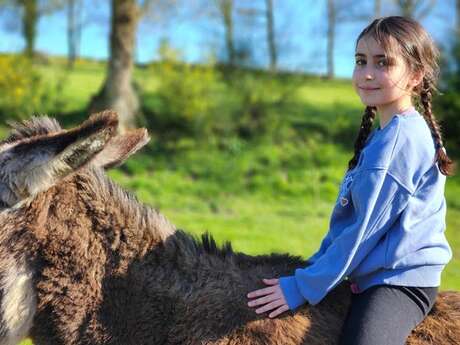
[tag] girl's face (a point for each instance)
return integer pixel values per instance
(378, 81)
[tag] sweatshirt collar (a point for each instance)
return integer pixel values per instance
(409, 112)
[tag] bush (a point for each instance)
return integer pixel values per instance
(259, 105)
(199, 101)
(447, 107)
(22, 89)
(188, 97)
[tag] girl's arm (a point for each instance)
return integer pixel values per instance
(326, 242)
(378, 199)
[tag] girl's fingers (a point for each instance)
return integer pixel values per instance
(265, 291)
(262, 300)
(273, 298)
(270, 306)
(261, 292)
(271, 281)
(279, 311)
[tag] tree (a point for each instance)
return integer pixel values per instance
(117, 92)
(74, 27)
(456, 48)
(31, 11)
(271, 35)
(331, 21)
(377, 8)
(266, 14)
(417, 9)
(226, 11)
(457, 19)
(29, 24)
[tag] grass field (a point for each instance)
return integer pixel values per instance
(262, 196)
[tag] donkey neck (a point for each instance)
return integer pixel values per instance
(138, 220)
(88, 206)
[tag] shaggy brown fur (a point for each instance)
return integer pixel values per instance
(109, 270)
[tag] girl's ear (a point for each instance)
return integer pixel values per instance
(416, 79)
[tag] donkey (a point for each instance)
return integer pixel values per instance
(83, 262)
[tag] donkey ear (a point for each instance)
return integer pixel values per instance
(120, 147)
(39, 162)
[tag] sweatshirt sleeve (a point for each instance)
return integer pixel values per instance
(325, 243)
(377, 201)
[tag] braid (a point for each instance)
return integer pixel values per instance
(445, 164)
(364, 131)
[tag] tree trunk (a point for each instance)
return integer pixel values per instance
(29, 25)
(414, 8)
(457, 36)
(458, 17)
(271, 35)
(226, 8)
(73, 30)
(377, 8)
(118, 93)
(331, 17)
(407, 8)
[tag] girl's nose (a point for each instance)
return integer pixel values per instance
(369, 72)
(368, 75)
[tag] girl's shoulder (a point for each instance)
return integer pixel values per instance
(404, 146)
(379, 147)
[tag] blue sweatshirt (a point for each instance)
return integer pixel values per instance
(388, 223)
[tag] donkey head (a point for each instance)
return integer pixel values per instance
(38, 153)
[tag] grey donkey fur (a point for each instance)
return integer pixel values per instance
(83, 262)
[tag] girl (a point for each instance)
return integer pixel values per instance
(386, 233)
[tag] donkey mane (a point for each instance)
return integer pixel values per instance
(209, 245)
(153, 226)
(191, 248)
(29, 128)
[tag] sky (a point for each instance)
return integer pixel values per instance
(300, 31)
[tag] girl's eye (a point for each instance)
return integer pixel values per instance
(382, 63)
(360, 62)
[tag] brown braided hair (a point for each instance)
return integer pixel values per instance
(446, 165)
(421, 55)
(365, 129)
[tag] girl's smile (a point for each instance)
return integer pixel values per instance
(364, 88)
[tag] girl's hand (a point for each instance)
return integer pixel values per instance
(273, 298)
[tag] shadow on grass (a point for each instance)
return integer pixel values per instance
(73, 118)
(338, 123)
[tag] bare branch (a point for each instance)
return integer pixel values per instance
(422, 14)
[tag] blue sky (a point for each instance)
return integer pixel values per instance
(300, 29)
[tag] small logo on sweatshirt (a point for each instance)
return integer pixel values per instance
(344, 188)
(343, 201)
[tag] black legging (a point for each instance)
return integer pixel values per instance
(386, 314)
